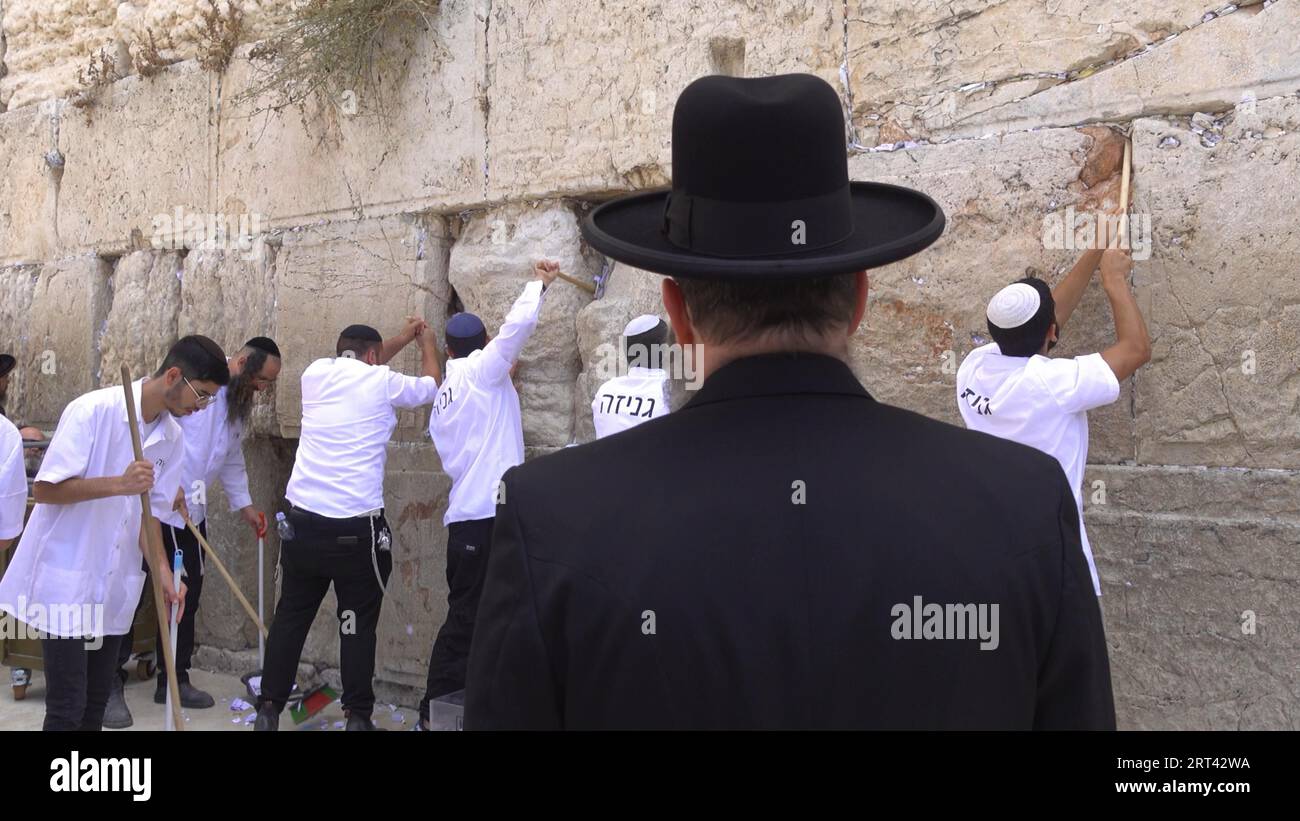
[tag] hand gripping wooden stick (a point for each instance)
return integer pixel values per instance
(225, 574)
(154, 557)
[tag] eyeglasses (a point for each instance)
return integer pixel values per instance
(204, 398)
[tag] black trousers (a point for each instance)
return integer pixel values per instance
(77, 682)
(468, 546)
(173, 538)
(182, 538)
(324, 552)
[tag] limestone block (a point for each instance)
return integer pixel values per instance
(1249, 55)
(69, 309)
(141, 324)
(1198, 570)
(135, 161)
(582, 98)
(1222, 290)
(418, 143)
(27, 186)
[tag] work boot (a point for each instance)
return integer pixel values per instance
(192, 698)
(116, 714)
(356, 721)
(268, 719)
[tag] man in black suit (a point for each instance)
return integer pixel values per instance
(785, 551)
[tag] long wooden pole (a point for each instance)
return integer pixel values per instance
(1123, 192)
(154, 558)
(234, 588)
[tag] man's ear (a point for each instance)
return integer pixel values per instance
(678, 316)
(172, 376)
(863, 286)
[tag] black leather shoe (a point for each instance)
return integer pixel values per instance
(359, 722)
(116, 714)
(192, 698)
(268, 720)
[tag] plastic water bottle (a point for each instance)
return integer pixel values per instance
(283, 527)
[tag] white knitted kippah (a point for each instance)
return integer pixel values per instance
(641, 324)
(1014, 305)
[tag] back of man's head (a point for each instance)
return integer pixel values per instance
(795, 312)
(642, 341)
(263, 344)
(198, 358)
(465, 334)
(357, 341)
(1020, 316)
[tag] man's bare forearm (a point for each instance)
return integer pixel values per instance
(1132, 348)
(429, 364)
(392, 346)
(1069, 292)
(71, 491)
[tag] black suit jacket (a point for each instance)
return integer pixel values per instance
(744, 563)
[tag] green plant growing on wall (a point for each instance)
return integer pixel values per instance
(328, 48)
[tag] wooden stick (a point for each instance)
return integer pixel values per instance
(1123, 192)
(586, 286)
(234, 588)
(154, 557)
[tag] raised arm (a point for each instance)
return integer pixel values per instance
(503, 350)
(393, 344)
(1132, 348)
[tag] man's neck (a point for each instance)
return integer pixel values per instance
(713, 357)
(151, 400)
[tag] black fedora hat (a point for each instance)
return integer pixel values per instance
(7, 363)
(761, 190)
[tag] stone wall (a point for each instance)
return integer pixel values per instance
(506, 120)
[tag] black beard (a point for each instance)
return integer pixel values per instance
(239, 398)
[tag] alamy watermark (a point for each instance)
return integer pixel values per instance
(1069, 230)
(682, 363)
(80, 620)
(188, 230)
(954, 622)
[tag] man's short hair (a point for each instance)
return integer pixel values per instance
(198, 358)
(358, 340)
(264, 344)
(1028, 338)
(738, 310)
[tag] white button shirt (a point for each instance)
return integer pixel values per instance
(348, 417)
(78, 569)
(476, 424)
(213, 451)
(1040, 402)
(626, 401)
(13, 481)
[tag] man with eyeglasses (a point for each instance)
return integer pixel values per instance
(77, 574)
(213, 453)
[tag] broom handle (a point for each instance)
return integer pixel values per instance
(225, 574)
(154, 557)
